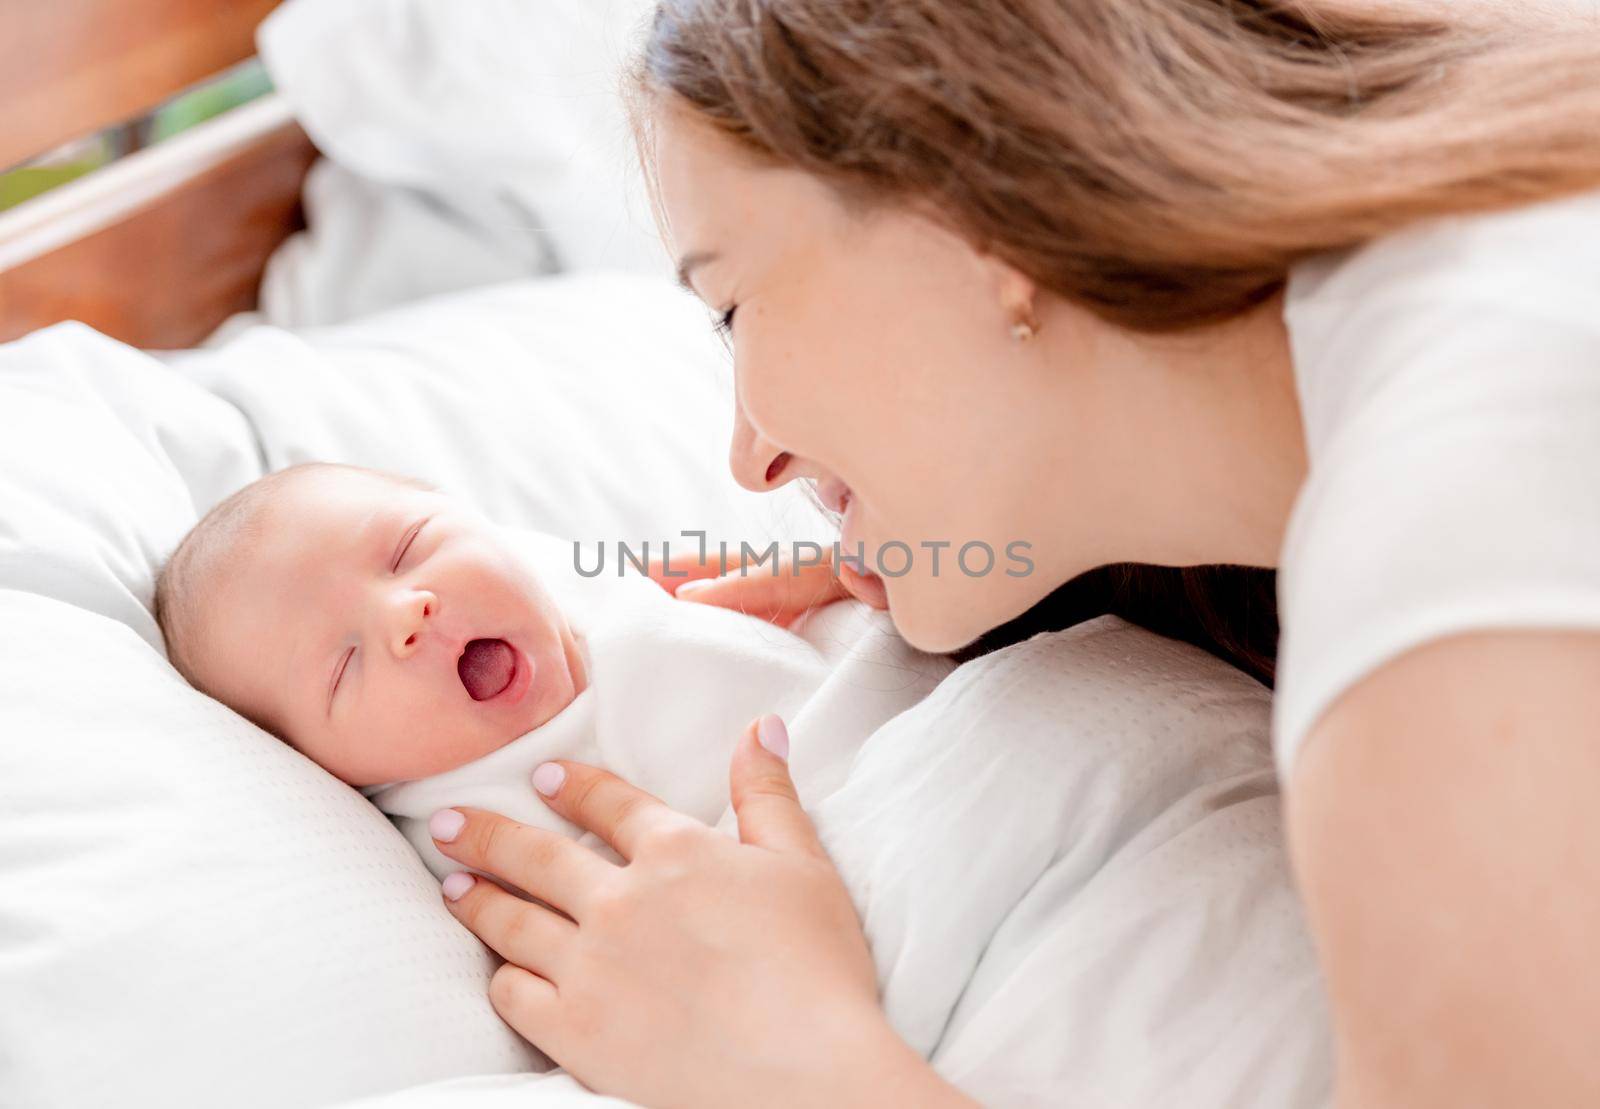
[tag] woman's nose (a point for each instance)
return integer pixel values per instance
(756, 464)
(407, 616)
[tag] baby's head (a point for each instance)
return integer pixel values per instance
(368, 620)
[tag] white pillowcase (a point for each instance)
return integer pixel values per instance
(190, 912)
(369, 246)
(591, 406)
(193, 914)
(504, 115)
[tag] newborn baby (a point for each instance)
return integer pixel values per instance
(415, 650)
(368, 621)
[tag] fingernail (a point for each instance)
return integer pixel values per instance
(455, 887)
(445, 825)
(692, 586)
(773, 735)
(548, 777)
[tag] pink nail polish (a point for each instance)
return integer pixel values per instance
(773, 735)
(692, 586)
(456, 885)
(445, 825)
(548, 777)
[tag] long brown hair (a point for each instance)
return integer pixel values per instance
(1163, 163)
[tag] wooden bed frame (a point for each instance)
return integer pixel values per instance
(159, 247)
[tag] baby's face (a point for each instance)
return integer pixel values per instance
(344, 620)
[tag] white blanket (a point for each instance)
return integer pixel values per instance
(1067, 857)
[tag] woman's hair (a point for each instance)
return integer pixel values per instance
(1162, 163)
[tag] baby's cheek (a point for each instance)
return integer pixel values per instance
(429, 733)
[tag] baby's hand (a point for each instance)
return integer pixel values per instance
(780, 593)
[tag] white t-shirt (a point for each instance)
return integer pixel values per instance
(1449, 381)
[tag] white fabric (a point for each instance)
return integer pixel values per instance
(191, 913)
(369, 246)
(1449, 380)
(592, 406)
(1068, 862)
(491, 135)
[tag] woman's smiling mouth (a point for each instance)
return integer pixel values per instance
(834, 494)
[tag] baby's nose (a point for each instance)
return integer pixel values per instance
(409, 613)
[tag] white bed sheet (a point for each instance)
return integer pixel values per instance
(1069, 864)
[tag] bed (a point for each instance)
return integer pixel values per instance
(388, 262)
(161, 247)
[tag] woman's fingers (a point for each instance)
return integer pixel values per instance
(672, 573)
(529, 935)
(548, 865)
(530, 1005)
(764, 797)
(779, 594)
(601, 802)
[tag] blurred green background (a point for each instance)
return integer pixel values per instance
(237, 86)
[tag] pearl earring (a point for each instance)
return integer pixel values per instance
(1022, 331)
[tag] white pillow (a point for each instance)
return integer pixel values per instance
(368, 246)
(505, 112)
(193, 914)
(190, 912)
(591, 406)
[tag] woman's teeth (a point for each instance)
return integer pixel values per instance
(834, 494)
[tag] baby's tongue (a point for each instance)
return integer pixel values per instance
(486, 667)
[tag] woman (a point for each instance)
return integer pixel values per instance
(1177, 282)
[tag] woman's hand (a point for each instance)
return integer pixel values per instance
(780, 592)
(706, 971)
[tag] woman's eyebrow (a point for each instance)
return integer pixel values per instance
(691, 262)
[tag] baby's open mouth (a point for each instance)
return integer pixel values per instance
(487, 667)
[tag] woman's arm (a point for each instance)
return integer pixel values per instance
(1445, 825)
(705, 972)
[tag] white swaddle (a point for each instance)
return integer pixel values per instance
(1067, 855)
(672, 686)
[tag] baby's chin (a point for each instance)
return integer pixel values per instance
(442, 753)
(477, 738)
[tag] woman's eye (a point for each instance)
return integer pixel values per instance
(724, 323)
(409, 538)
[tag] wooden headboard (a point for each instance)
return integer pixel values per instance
(159, 247)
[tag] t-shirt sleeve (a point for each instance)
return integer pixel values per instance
(1450, 386)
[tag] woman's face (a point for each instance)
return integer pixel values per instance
(874, 354)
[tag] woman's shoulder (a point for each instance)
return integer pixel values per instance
(1449, 381)
(1435, 313)
(1489, 254)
